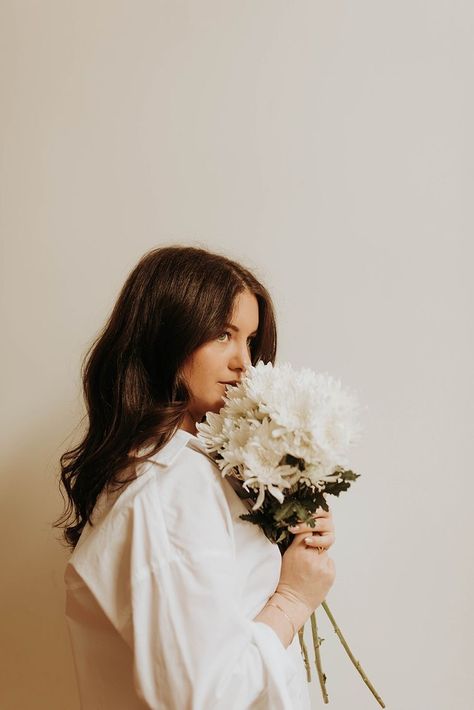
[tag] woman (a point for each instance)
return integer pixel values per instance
(172, 601)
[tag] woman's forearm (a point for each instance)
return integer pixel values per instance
(286, 620)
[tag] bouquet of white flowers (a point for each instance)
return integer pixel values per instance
(282, 437)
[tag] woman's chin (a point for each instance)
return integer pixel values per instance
(216, 406)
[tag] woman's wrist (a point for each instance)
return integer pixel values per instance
(290, 621)
(281, 624)
(285, 613)
(292, 604)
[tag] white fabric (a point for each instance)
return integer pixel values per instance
(162, 590)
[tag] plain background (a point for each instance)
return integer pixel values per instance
(326, 145)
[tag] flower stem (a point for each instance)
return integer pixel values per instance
(304, 652)
(351, 655)
(317, 656)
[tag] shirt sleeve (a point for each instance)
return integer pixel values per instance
(193, 647)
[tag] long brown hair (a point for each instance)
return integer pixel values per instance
(174, 300)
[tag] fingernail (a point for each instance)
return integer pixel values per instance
(308, 539)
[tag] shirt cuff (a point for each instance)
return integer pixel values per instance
(280, 666)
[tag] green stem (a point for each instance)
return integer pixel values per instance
(351, 655)
(317, 656)
(304, 652)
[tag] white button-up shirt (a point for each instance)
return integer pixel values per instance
(162, 590)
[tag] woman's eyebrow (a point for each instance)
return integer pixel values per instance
(234, 327)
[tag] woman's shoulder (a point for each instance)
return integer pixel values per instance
(186, 483)
(181, 477)
(179, 491)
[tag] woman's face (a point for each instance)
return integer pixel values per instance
(223, 359)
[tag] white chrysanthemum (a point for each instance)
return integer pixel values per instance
(277, 411)
(238, 404)
(261, 476)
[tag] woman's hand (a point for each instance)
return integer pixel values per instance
(306, 574)
(322, 534)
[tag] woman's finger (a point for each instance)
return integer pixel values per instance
(321, 525)
(323, 513)
(325, 540)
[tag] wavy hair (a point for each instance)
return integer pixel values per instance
(175, 299)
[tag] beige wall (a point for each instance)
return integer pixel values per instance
(329, 146)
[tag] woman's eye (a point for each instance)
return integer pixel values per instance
(249, 340)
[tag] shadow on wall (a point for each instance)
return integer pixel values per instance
(36, 659)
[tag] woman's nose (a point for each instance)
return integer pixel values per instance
(241, 358)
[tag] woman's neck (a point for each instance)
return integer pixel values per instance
(188, 424)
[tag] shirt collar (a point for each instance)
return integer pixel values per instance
(179, 440)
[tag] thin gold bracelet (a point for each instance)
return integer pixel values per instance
(284, 612)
